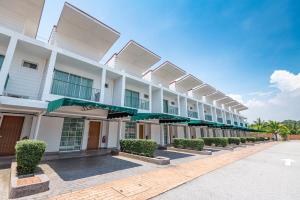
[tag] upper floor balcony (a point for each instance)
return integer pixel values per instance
(220, 120)
(132, 100)
(170, 103)
(208, 117)
(170, 109)
(192, 114)
(185, 84)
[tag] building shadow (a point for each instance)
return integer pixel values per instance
(171, 154)
(77, 168)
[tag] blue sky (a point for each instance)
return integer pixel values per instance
(233, 45)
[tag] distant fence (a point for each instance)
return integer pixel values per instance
(294, 137)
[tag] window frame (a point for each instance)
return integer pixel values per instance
(29, 62)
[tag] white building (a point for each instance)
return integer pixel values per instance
(60, 93)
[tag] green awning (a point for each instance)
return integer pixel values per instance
(162, 117)
(113, 111)
(201, 123)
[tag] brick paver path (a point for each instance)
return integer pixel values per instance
(153, 183)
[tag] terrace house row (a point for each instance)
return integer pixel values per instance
(58, 91)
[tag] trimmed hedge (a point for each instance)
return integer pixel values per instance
(28, 155)
(234, 140)
(138, 146)
(251, 139)
(243, 140)
(217, 141)
(195, 144)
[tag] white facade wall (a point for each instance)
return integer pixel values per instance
(50, 132)
(155, 133)
(25, 81)
(180, 131)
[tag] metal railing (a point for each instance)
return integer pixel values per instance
(208, 117)
(220, 120)
(192, 114)
(137, 103)
(69, 89)
(171, 110)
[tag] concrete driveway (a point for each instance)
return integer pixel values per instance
(273, 174)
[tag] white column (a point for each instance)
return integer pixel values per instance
(37, 126)
(119, 133)
(150, 98)
(7, 62)
(179, 105)
(161, 100)
(102, 86)
(197, 110)
(203, 113)
(49, 75)
(123, 90)
(161, 134)
(188, 129)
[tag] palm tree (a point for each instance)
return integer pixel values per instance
(276, 128)
(259, 124)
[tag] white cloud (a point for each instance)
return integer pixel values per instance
(284, 104)
(285, 81)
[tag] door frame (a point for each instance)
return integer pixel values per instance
(100, 135)
(143, 128)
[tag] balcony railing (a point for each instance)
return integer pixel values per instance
(69, 89)
(228, 121)
(220, 120)
(171, 110)
(208, 117)
(137, 103)
(192, 114)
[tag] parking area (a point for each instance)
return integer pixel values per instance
(67, 175)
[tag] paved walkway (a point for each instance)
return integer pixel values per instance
(153, 183)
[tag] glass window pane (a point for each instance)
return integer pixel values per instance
(1, 60)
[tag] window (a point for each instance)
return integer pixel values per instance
(130, 130)
(132, 99)
(29, 65)
(1, 60)
(71, 85)
(146, 96)
(71, 137)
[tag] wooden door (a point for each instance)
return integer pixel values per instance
(141, 131)
(94, 135)
(10, 131)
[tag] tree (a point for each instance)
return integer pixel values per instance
(277, 128)
(258, 124)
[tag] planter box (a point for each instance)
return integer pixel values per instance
(203, 152)
(156, 160)
(26, 185)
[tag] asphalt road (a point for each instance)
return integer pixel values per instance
(272, 174)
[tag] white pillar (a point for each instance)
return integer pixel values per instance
(161, 134)
(188, 130)
(119, 133)
(7, 62)
(37, 126)
(123, 90)
(179, 105)
(102, 86)
(49, 75)
(150, 98)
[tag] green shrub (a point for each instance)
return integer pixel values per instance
(250, 139)
(234, 140)
(196, 144)
(260, 139)
(217, 141)
(28, 155)
(138, 146)
(243, 140)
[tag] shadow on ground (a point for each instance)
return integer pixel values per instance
(77, 168)
(171, 154)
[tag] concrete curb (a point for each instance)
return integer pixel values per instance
(157, 160)
(203, 152)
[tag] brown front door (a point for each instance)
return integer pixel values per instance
(141, 131)
(10, 131)
(94, 135)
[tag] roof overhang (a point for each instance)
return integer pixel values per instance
(94, 37)
(225, 100)
(85, 106)
(137, 57)
(240, 107)
(204, 90)
(167, 72)
(22, 16)
(161, 117)
(188, 82)
(216, 95)
(232, 103)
